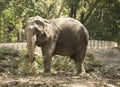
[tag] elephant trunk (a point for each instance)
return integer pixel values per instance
(31, 38)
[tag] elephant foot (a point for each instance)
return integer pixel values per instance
(80, 69)
(46, 74)
(80, 72)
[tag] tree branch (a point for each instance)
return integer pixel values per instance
(91, 10)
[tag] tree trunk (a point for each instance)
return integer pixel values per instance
(20, 30)
(72, 12)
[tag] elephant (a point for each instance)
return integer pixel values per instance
(60, 36)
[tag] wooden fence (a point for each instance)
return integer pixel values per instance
(98, 44)
(93, 44)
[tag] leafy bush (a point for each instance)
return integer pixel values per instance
(6, 51)
(63, 64)
(110, 71)
(17, 63)
(26, 68)
(91, 64)
(9, 59)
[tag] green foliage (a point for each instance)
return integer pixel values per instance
(63, 64)
(14, 62)
(91, 64)
(110, 71)
(6, 51)
(104, 23)
(101, 17)
(9, 59)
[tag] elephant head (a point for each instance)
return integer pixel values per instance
(38, 30)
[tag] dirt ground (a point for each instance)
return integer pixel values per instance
(88, 80)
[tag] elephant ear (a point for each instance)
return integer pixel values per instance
(46, 26)
(48, 30)
(39, 24)
(39, 21)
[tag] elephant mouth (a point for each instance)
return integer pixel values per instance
(41, 38)
(37, 43)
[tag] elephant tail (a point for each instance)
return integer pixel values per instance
(86, 38)
(84, 43)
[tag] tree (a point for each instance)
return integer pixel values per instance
(104, 23)
(73, 7)
(101, 17)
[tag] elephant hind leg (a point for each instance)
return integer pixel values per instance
(79, 63)
(80, 56)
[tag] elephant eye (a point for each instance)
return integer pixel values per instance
(35, 28)
(44, 35)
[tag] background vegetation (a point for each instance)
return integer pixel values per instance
(101, 17)
(15, 70)
(16, 63)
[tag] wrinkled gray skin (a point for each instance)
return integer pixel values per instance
(61, 36)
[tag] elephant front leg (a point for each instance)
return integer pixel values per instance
(47, 55)
(47, 65)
